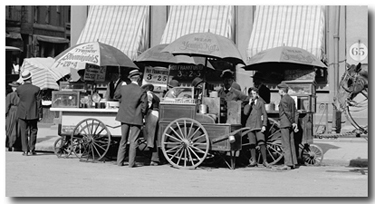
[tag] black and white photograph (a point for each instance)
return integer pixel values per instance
(182, 101)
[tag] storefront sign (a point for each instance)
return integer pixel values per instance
(94, 73)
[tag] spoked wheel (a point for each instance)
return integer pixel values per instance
(312, 155)
(185, 143)
(273, 143)
(61, 147)
(90, 140)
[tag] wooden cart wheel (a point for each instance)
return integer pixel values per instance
(273, 144)
(312, 155)
(90, 140)
(185, 143)
(61, 148)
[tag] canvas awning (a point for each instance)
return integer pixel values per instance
(294, 26)
(51, 39)
(184, 20)
(123, 27)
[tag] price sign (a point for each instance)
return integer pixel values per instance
(94, 73)
(358, 51)
(155, 75)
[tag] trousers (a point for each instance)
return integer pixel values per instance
(289, 149)
(131, 133)
(29, 131)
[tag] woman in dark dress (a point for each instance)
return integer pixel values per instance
(13, 138)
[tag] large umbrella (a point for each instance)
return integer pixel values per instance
(96, 53)
(155, 56)
(205, 45)
(284, 57)
(208, 45)
(42, 76)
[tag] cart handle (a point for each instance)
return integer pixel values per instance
(244, 131)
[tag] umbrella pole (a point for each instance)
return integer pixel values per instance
(204, 78)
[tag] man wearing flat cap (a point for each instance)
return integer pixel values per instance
(29, 112)
(264, 91)
(133, 107)
(288, 124)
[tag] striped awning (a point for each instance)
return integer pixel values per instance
(123, 27)
(42, 76)
(184, 20)
(294, 26)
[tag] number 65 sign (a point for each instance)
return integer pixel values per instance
(358, 51)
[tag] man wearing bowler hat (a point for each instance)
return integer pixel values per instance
(29, 113)
(133, 107)
(288, 124)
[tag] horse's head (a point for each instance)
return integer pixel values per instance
(354, 80)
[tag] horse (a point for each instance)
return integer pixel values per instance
(353, 82)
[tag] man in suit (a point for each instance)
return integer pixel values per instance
(228, 92)
(133, 107)
(29, 113)
(264, 91)
(288, 124)
(151, 123)
(256, 109)
(113, 86)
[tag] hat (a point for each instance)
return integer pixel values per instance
(14, 84)
(149, 86)
(26, 75)
(196, 81)
(134, 72)
(173, 83)
(282, 85)
(227, 74)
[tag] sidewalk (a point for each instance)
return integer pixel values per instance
(343, 151)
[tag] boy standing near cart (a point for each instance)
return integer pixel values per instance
(256, 111)
(133, 107)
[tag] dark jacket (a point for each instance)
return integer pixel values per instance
(30, 104)
(232, 95)
(111, 89)
(254, 121)
(264, 93)
(287, 111)
(133, 104)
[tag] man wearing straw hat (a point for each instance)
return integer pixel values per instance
(133, 107)
(29, 113)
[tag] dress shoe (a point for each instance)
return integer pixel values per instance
(267, 165)
(32, 153)
(134, 166)
(25, 153)
(153, 163)
(284, 168)
(252, 163)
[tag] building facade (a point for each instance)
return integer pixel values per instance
(343, 39)
(38, 31)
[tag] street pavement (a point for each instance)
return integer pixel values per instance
(343, 151)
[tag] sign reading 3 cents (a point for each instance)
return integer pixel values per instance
(358, 51)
